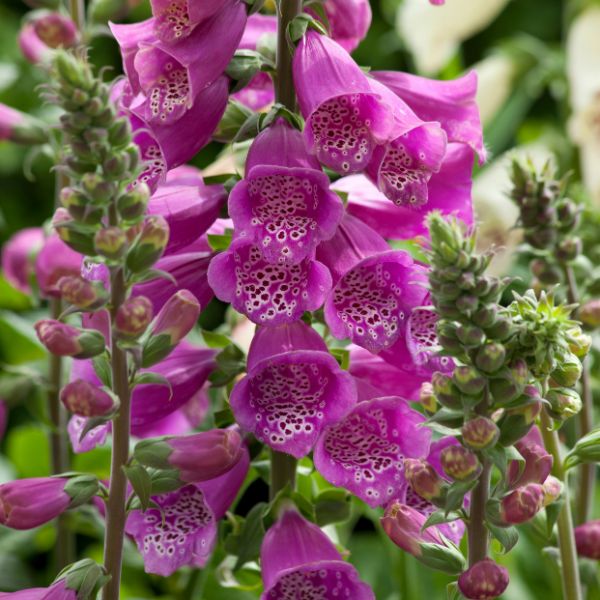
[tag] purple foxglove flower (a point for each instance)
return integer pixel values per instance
(349, 22)
(82, 293)
(57, 591)
(553, 489)
(402, 168)
(85, 399)
(259, 93)
(184, 531)
(297, 558)
(538, 464)
(459, 463)
(168, 79)
(29, 503)
(486, 579)
(18, 257)
(377, 290)
(188, 209)
(522, 504)
(452, 103)
(20, 127)
(293, 389)
(197, 457)
(268, 294)
(587, 539)
(133, 317)
(54, 261)
(93, 438)
(190, 270)
(65, 340)
(365, 451)
(345, 118)
(449, 191)
(284, 204)
(43, 33)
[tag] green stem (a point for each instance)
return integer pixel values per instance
(587, 472)
(478, 535)
(566, 537)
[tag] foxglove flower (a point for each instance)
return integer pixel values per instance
(349, 22)
(268, 294)
(29, 503)
(587, 539)
(345, 118)
(184, 530)
(365, 451)
(62, 339)
(298, 559)
(293, 389)
(57, 591)
(18, 257)
(86, 400)
(45, 32)
(284, 204)
(93, 438)
(20, 127)
(54, 261)
(452, 103)
(538, 464)
(485, 580)
(132, 318)
(522, 504)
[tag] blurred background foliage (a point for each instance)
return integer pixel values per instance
(518, 49)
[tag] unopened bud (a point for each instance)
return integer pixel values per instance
(547, 273)
(20, 127)
(542, 237)
(444, 390)
(470, 335)
(579, 342)
(79, 206)
(85, 399)
(553, 489)
(480, 433)
(485, 580)
(589, 313)
(78, 237)
(522, 504)
(110, 242)
(538, 464)
(467, 303)
(81, 293)
(490, 357)
(587, 539)
(569, 249)
(82, 579)
(485, 316)
(65, 340)
(564, 402)
(510, 383)
(468, 380)
(133, 317)
(149, 245)
(501, 329)
(568, 371)
(132, 204)
(423, 479)
(427, 397)
(459, 463)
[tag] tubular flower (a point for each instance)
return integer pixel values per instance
(365, 451)
(297, 558)
(349, 22)
(18, 257)
(45, 32)
(587, 539)
(293, 389)
(485, 580)
(345, 118)
(284, 204)
(54, 261)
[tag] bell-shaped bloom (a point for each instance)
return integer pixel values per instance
(448, 191)
(132, 318)
(538, 464)
(587, 539)
(57, 591)
(299, 560)
(18, 257)
(260, 92)
(377, 288)
(403, 166)
(62, 339)
(167, 79)
(294, 388)
(485, 580)
(284, 204)
(54, 261)
(345, 119)
(86, 400)
(522, 504)
(93, 437)
(183, 532)
(365, 451)
(349, 21)
(45, 32)
(268, 294)
(452, 103)
(188, 209)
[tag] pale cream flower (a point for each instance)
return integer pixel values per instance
(495, 81)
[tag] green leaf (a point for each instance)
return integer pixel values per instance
(103, 369)
(440, 517)
(215, 340)
(342, 356)
(140, 482)
(250, 536)
(552, 511)
(456, 494)
(223, 418)
(219, 242)
(231, 362)
(507, 536)
(18, 342)
(332, 506)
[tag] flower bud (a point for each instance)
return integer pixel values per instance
(568, 371)
(485, 580)
(538, 464)
(468, 380)
(132, 205)
(65, 340)
(423, 479)
(79, 206)
(553, 489)
(20, 127)
(587, 539)
(45, 32)
(85, 399)
(427, 397)
(149, 245)
(541, 237)
(485, 316)
(579, 342)
(459, 463)
(96, 186)
(569, 249)
(133, 317)
(194, 458)
(490, 358)
(589, 313)
(467, 303)
(82, 579)
(470, 336)
(29, 503)
(445, 392)
(480, 433)
(77, 236)
(522, 504)
(509, 384)
(501, 329)
(110, 242)
(547, 273)
(564, 402)
(81, 293)
(174, 321)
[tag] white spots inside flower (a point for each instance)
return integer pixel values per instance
(289, 401)
(266, 291)
(363, 447)
(284, 213)
(171, 92)
(422, 341)
(173, 23)
(367, 300)
(341, 133)
(401, 180)
(154, 166)
(313, 584)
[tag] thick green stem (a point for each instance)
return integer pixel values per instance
(587, 472)
(283, 466)
(478, 535)
(566, 537)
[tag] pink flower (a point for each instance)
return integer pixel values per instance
(18, 257)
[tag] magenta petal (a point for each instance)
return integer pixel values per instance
(93, 438)
(258, 94)
(287, 399)
(349, 21)
(364, 452)
(257, 26)
(182, 533)
(268, 294)
(17, 257)
(53, 261)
